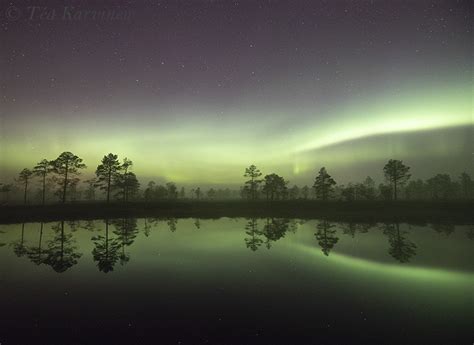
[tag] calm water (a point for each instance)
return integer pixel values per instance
(266, 281)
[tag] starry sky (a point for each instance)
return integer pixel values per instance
(195, 91)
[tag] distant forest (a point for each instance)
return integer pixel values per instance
(53, 181)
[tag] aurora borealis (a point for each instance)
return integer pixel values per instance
(195, 92)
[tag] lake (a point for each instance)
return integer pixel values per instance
(236, 281)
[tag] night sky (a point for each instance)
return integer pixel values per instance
(195, 91)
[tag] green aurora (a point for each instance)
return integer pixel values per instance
(201, 151)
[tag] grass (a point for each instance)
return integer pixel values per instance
(378, 211)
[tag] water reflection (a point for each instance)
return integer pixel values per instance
(401, 248)
(19, 247)
(444, 229)
(352, 228)
(126, 230)
(35, 253)
(88, 225)
(253, 241)
(273, 230)
(105, 251)
(172, 223)
(326, 236)
(112, 240)
(470, 233)
(61, 253)
(146, 227)
(2, 243)
(225, 269)
(74, 225)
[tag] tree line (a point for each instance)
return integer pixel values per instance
(61, 175)
(117, 181)
(397, 185)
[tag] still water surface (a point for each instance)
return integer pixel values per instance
(236, 281)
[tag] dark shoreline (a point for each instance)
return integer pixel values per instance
(371, 211)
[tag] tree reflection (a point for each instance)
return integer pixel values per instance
(470, 233)
(351, 228)
(197, 223)
(106, 250)
(126, 230)
(61, 251)
(443, 229)
(19, 247)
(172, 222)
(401, 248)
(253, 242)
(274, 229)
(293, 225)
(150, 223)
(146, 228)
(35, 253)
(2, 244)
(326, 236)
(73, 225)
(88, 225)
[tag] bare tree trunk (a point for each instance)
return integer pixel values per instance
(108, 186)
(26, 188)
(65, 183)
(44, 187)
(395, 189)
